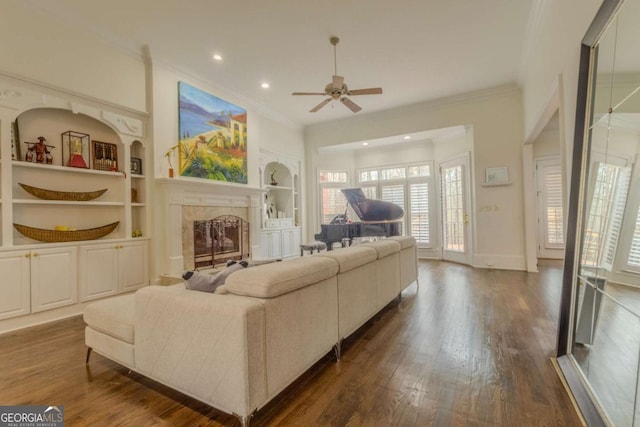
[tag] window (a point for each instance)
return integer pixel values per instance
(408, 186)
(332, 201)
(606, 211)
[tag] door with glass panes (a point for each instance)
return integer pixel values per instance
(456, 224)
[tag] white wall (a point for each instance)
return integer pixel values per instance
(547, 144)
(43, 48)
(496, 119)
(553, 55)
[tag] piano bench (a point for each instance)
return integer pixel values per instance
(318, 246)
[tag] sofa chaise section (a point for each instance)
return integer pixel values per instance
(110, 329)
(208, 346)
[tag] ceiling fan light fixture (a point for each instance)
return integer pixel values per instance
(338, 89)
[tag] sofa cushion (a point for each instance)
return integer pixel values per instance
(405, 241)
(113, 316)
(271, 280)
(384, 247)
(352, 257)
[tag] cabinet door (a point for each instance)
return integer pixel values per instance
(54, 278)
(290, 242)
(14, 290)
(133, 266)
(98, 271)
(270, 244)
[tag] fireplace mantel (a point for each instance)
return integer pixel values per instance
(175, 193)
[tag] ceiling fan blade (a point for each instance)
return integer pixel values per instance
(319, 106)
(368, 91)
(338, 81)
(308, 93)
(350, 104)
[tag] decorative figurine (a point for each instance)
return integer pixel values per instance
(273, 178)
(41, 150)
(76, 159)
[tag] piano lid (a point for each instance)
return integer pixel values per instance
(371, 209)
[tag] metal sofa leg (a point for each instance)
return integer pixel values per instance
(88, 355)
(244, 419)
(337, 350)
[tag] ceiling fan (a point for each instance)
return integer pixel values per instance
(338, 90)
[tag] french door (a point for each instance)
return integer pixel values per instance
(456, 224)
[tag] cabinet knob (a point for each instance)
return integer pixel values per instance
(35, 254)
(27, 255)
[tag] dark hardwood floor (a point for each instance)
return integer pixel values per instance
(470, 347)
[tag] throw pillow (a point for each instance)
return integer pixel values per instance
(204, 282)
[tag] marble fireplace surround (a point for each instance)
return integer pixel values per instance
(183, 200)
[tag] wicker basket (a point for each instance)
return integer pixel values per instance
(54, 236)
(45, 194)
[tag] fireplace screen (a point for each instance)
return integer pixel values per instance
(220, 239)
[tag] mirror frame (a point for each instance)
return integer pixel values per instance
(577, 203)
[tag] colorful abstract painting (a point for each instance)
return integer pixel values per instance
(213, 136)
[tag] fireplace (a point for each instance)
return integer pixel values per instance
(217, 240)
(181, 202)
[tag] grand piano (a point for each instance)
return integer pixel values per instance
(377, 218)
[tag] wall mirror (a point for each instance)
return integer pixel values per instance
(605, 339)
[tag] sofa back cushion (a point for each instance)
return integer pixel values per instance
(352, 257)
(271, 280)
(384, 247)
(405, 241)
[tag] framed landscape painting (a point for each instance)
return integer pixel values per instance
(213, 136)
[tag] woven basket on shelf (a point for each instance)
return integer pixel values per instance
(55, 236)
(45, 194)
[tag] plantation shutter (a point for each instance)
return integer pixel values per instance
(554, 235)
(333, 203)
(616, 214)
(419, 211)
(634, 252)
(393, 193)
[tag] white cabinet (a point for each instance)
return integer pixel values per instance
(15, 293)
(271, 243)
(133, 266)
(290, 242)
(111, 268)
(37, 280)
(54, 281)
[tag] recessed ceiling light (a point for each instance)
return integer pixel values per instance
(265, 85)
(217, 57)
(365, 143)
(406, 137)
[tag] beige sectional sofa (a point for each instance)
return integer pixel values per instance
(236, 350)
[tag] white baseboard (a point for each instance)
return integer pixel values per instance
(500, 262)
